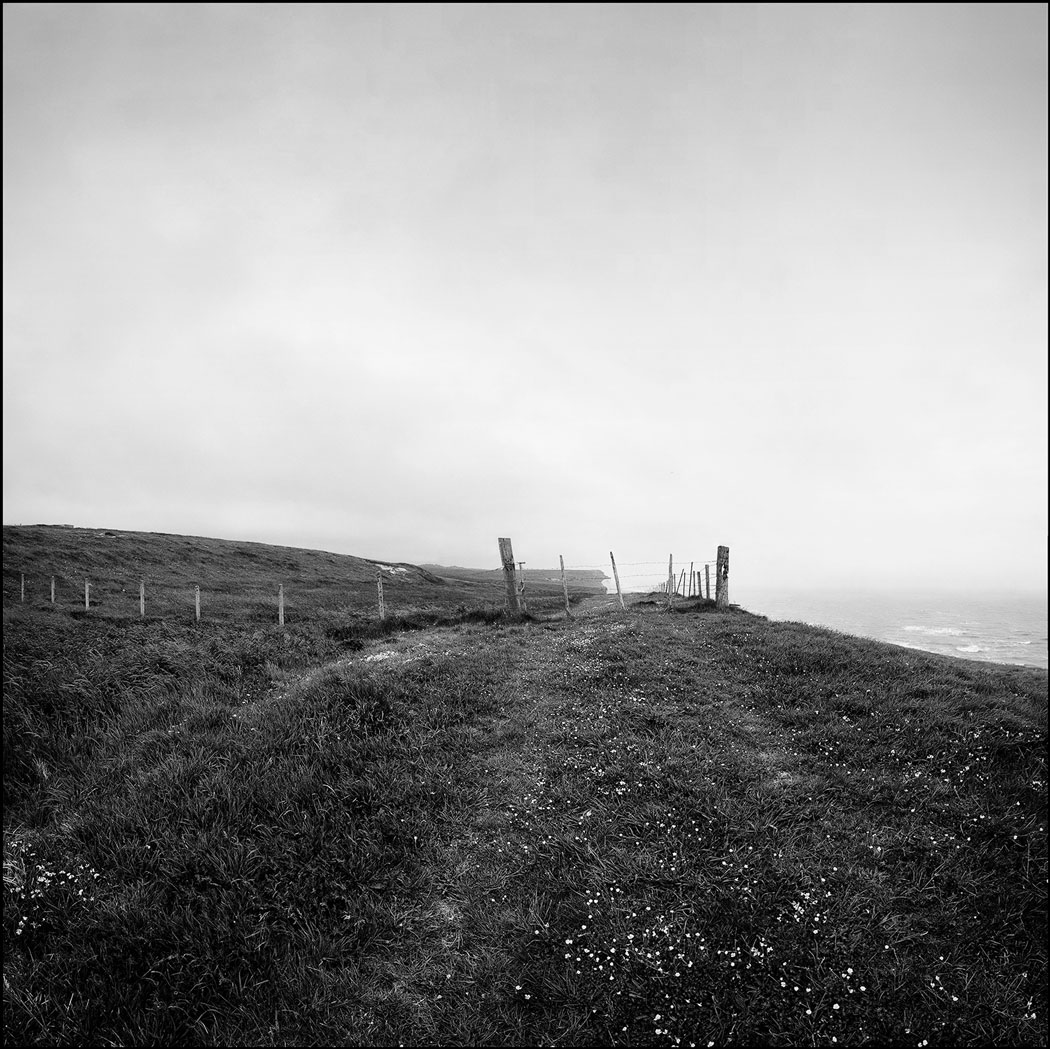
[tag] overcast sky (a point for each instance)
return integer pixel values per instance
(396, 281)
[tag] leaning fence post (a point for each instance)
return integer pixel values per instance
(565, 587)
(722, 578)
(197, 602)
(707, 580)
(506, 554)
(280, 604)
(616, 576)
(379, 590)
(142, 598)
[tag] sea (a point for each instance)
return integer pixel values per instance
(1008, 628)
(991, 629)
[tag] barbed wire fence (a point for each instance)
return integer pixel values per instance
(695, 578)
(175, 596)
(652, 576)
(673, 580)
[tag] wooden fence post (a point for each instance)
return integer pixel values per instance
(379, 590)
(142, 598)
(670, 582)
(506, 554)
(690, 578)
(521, 588)
(681, 583)
(280, 604)
(616, 576)
(23, 597)
(87, 599)
(564, 587)
(722, 578)
(197, 602)
(707, 580)
(52, 590)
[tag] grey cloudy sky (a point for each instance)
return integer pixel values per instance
(395, 281)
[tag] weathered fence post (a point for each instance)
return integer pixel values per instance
(52, 590)
(87, 592)
(564, 587)
(616, 576)
(506, 554)
(690, 578)
(379, 591)
(197, 602)
(722, 577)
(707, 580)
(681, 583)
(670, 582)
(142, 598)
(23, 597)
(521, 587)
(280, 604)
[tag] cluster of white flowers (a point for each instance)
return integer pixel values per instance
(37, 888)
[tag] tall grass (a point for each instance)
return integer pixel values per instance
(641, 829)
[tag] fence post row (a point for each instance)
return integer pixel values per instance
(515, 590)
(722, 578)
(506, 554)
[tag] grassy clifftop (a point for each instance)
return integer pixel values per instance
(238, 580)
(628, 828)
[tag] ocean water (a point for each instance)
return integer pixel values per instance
(1006, 629)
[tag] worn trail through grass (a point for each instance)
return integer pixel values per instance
(626, 828)
(634, 821)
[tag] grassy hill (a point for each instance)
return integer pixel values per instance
(238, 580)
(626, 828)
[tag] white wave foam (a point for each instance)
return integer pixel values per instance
(934, 630)
(968, 648)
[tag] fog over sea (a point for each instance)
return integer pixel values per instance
(996, 629)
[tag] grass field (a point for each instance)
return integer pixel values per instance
(452, 828)
(239, 580)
